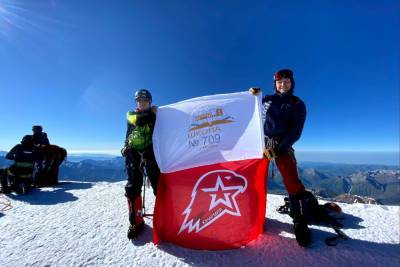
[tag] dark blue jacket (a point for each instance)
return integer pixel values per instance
(22, 153)
(41, 139)
(284, 116)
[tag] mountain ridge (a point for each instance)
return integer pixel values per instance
(326, 180)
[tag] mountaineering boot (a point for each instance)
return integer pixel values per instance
(301, 231)
(305, 210)
(135, 217)
(135, 230)
(298, 213)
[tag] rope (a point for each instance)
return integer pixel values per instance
(5, 203)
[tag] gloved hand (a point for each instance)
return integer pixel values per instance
(154, 109)
(269, 153)
(272, 153)
(254, 90)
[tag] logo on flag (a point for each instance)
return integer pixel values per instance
(214, 195)
(204, 131)
(208, 116)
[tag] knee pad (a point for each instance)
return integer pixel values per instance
(131, 192)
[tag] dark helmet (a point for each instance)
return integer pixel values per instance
(143, 94)
(27, 140)
(284, 73)
(37, 128)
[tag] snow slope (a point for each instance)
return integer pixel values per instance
(84, 224)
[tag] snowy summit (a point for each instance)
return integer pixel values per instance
(82, 223)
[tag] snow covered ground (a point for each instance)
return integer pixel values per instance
(84, 224)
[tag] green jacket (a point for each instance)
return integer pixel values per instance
(140, 129)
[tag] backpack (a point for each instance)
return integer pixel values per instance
(140, 138)
(327, 214)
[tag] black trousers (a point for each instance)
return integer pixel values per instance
(16, 178)
(133, 161)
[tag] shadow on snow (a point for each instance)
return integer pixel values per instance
(277, 248)
(52, 195)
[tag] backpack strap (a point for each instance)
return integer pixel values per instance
(334, 240)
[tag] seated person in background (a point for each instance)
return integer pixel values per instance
(19, 174)
(51, 157)
(48, 160)
(39, 137)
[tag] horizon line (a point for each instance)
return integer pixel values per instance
(117, 151)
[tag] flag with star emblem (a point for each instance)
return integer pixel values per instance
(211, 193)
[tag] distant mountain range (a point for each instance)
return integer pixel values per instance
(83, 156)
(381, 183)
(90, 170)
(327, 180)
(4, 162)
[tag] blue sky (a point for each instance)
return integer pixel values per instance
(73, 66)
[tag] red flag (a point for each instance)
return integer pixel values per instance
(212, 207)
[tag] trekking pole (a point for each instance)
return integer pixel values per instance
(144, 195)
(145, 177)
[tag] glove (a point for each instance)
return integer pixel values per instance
(272, 153)
(154, 109)
(254, 90)
(269, 153)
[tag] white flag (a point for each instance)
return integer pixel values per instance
(208, 130)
